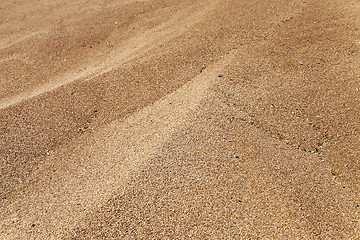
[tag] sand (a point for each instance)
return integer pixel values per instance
(153, 119)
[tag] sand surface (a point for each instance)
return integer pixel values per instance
(206, 119)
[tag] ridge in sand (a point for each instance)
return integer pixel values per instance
(103, 160)
(179, 119)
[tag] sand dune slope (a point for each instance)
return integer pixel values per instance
(179, 119)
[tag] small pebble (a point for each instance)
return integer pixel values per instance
(220, 75)
(301, 63)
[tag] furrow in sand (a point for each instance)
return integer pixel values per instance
(79, 178)
(133, 48)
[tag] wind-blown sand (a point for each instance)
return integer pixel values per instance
(180, 119)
